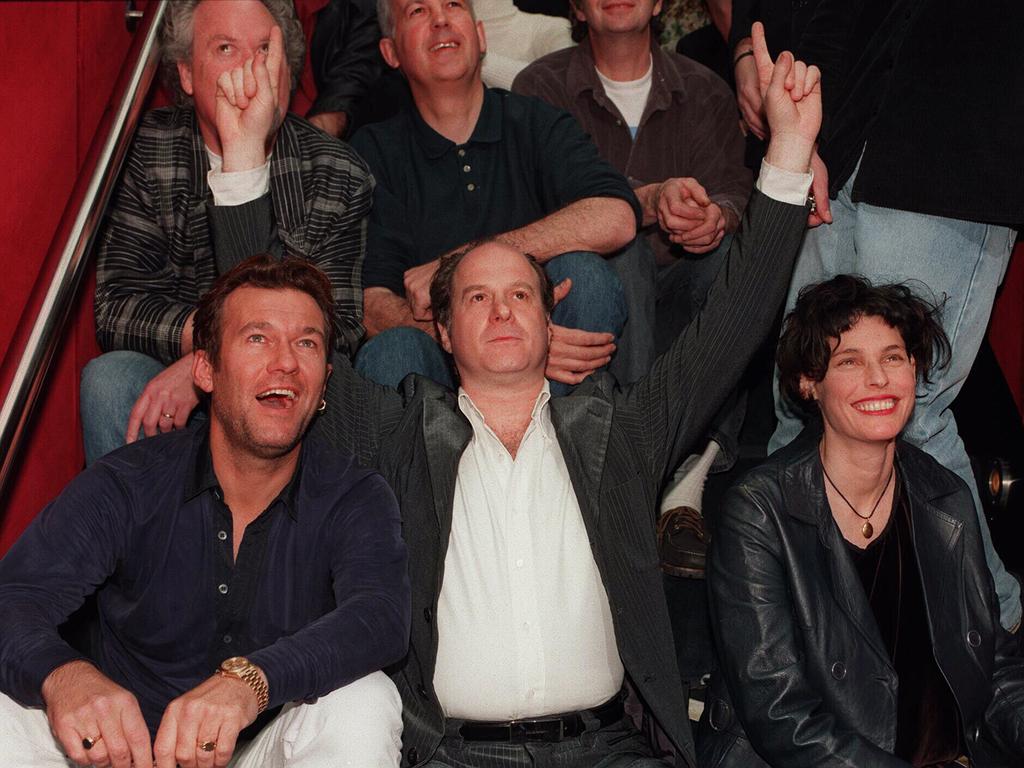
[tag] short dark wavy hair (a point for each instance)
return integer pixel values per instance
(825, 311)
(261, 271)
(444, 278)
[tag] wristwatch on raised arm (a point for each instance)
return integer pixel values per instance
(242, 669)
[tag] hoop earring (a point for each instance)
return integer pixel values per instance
(322, 407)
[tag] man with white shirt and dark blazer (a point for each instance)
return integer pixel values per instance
(537, 594)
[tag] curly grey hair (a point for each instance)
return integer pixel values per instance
(176, 42)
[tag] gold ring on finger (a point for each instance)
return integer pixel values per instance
(207, 746)
(88, 742)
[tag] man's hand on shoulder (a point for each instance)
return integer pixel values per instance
(792, 101)
(84, 704)
(165, 403)
(213, 712)
(248, 107)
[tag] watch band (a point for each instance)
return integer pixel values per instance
(242, 669)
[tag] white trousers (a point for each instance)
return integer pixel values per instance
(359, 725)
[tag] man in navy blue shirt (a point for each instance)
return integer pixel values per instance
(238, 569)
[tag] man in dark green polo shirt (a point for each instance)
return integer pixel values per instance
(466, 162)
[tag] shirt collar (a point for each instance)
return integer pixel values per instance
(582, 76)
(540, 415)
(202, 478)
(486, 131)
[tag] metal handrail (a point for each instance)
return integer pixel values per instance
(42, 322)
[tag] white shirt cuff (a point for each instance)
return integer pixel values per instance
(784, 186)
(239, 187)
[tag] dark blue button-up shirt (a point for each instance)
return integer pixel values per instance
(318, 595)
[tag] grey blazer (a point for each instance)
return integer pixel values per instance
(620, 445)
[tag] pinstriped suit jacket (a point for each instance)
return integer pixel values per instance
(619, 443)
(157, 255)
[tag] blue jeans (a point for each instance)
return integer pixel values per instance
(111, 383)
(682, 289)
(595, 303)
(635, 351)
(962, 262)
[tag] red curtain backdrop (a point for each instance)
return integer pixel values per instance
(1005, 332)
(60, 63)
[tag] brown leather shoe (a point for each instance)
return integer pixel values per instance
(683, 543)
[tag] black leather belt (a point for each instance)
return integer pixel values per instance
(552, 728)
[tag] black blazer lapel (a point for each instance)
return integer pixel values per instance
(446, 433)
(582, 425)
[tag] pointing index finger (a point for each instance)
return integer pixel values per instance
(762, 58)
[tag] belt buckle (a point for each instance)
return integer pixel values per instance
(549, 730)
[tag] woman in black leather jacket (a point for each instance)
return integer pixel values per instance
(855, 618)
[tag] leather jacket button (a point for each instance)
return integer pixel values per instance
(720, 715)
(973, 638)
(839, 670)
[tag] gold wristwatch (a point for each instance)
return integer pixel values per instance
(242, 669)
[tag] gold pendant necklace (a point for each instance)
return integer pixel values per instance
(867, 530)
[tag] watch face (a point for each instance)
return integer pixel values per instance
(235, 664)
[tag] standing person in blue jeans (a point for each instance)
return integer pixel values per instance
(921, 165)
(464, 162)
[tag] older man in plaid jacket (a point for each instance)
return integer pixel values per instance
(228, 143)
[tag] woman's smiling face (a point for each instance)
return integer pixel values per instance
(868, 391)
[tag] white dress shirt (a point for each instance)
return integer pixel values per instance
(523, 619)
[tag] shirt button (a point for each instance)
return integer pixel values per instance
(227, 639)
(519, 563)
(466, 169)
(530, 693)
(471, 187)
(618, 122)
(223, 589)
(839, 670)
(462, 153)
(222, 535)
(526, 626)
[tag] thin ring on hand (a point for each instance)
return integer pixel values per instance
(168, 416)
(88, 742)
(207, 746)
